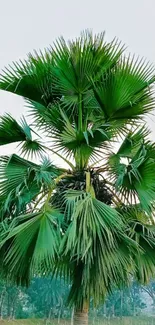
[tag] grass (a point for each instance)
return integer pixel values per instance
(124, 321)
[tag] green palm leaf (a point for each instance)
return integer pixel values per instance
(77, 62)
(136, 176)
(33, 243)
(22, 181)
(30, 79)
(124, 92)
(144, 234)
(95, 239)
(11, 131)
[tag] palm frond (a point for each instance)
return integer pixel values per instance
(96, 242)
(125, 92)
(144, 234)
(32, 148)
(86, 214)
(33, 245)
(11, 131)
(134, 178)
(133, 142)
(30, 78)
(21, 182)
(76, 62)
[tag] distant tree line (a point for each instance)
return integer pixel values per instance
(46, 298)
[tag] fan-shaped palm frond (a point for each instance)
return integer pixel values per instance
(140, 227)
(95, 237)
(144, 234)
(22, 181)
(135, 177)
(124, 93)
(33, 244)
(30, 79)
(11, 131)
(77, 62)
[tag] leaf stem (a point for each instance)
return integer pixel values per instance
(39, 200)
(80, 113)
(60, 156)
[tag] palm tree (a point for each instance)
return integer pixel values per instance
(92, 222)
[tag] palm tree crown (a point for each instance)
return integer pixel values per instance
(91, 223)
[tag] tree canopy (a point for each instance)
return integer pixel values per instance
(93, 223)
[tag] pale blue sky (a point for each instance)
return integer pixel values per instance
(32, 24)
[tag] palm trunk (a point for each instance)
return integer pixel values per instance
(81, 316)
